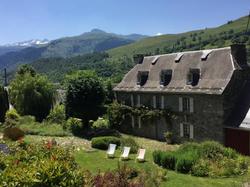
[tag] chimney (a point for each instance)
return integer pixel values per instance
(138, 58)
(239, 54)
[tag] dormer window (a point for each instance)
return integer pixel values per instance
(165, 77)
(153, 62)
(142, 77)
(193, 77)
(178, 57)
(205, 54)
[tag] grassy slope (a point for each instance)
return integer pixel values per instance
(150, 44)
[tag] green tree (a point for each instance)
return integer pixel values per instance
(4, 103)
(32, 95)
(26, 69)
(85, 95)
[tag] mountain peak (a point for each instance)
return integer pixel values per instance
(97, 31)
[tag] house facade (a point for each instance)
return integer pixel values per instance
(206, 90)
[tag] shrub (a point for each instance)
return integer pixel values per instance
(11, 118)
(101, 123)
(230, 153)
(201, 168)
(168, 160)
(13, 133)
(57, 115)
(185, 163)
(157, 155)
(212, 150)
(103, 142)
(130, 142)
(46, 166)
(74, 125)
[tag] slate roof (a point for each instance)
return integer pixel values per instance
(216, 69)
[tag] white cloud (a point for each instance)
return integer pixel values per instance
(158, 34)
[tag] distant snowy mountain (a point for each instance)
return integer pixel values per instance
(28, 43)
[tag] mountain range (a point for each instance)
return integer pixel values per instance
(94, 41)
(111, 55)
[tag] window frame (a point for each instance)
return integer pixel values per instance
(163, 74)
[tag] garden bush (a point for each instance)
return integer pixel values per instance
(185, 163)
(101, 123)
(57, 115)
(206, 159)
(74, 125)
(13, 133)
(103, 142)
(130, 142)
(168, 160)
(157, 155)
(39, 165)
(201, 168)
(212, 150)
(11, 118)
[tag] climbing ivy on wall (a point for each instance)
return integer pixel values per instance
(116, 113)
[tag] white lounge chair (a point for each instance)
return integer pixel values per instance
(125, 153)
(141, 155)
(111, 150)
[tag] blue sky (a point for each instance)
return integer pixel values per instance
(30, 19)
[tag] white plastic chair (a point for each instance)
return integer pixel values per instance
(111, 150)
(141, 155)
(125, 153)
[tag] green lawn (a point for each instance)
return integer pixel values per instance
(96, 161)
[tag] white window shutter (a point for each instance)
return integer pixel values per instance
(133, 121)
(191, 131)
(138, 100)
(154, 101)
(191, 100)
(181, 129)
(139, 122)
(132, 99)
(162, 102)
(180, 104)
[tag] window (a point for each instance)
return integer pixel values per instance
(142, 77)
(165, 77)
(205, 54)
(178, 57)
(193, 77)
(186, 130)
(186, 104)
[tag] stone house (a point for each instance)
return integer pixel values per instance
(207, 90)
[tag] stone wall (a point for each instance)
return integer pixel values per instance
(207, 118)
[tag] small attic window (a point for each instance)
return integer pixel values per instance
(155, 60)
(193, 77)
(165, 77)
(178, 57)
(142, 77)
(205, 54)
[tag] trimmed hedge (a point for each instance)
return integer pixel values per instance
(103, 142)
(130, 142)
